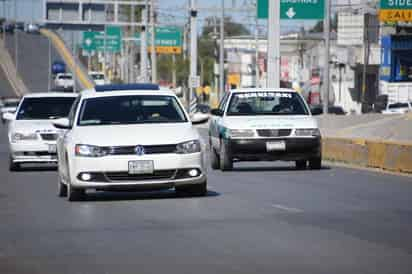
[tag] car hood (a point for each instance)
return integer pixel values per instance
(270, 122)
(129, 135)
(31, 126)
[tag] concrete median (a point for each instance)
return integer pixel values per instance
(386, 155)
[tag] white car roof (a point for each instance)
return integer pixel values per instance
(262, 90)
(91, 93)
(50, 94)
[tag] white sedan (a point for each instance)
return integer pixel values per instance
(129, 137)
(32, 137)
(64, 81)
(398, 108)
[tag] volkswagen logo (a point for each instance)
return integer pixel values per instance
(139, 150)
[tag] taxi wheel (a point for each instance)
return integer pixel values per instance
(224, 157)
(74, 194)
(214, 159)
(315, 163)
(301, 164)
(61, 189)
(13, 166)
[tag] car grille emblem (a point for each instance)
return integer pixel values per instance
(139, 150)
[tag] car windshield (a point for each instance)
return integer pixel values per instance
(97, 76)
(134, 109)
(266, 103)
(44, 108)
(65, 77)
(398, 105)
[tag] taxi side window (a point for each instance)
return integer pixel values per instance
(72, 112)
(222, 104)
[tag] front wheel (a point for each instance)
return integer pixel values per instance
(13, 166)
(61, 189)
(315, 163)
(214, 158)
(226, 162)
(74, 194)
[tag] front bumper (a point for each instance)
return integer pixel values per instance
(33, 152)
(256, 150)
(111, 172)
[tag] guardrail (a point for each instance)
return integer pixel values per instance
(386, 155)
(59, 45)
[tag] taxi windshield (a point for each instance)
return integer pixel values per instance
(134, 109)
(266, 103)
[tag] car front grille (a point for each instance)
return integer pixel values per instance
(125, 176)
(274, 132)
(130, 150)
(49, 136)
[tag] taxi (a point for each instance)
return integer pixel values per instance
(264, 125)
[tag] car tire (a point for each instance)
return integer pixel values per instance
(74, 194)
(214, 158)
(13, 166)
(225, 159)
(300, 164)
(315, 163)
(61, 189)
(193, 190)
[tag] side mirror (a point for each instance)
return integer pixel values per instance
(8, 116)
(61, 123)
(216, 112)
(199, 118)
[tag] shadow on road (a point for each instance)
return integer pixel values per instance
(275, 169)
(109, 196)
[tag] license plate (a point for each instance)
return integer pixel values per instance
(141, 167)
(276, 146)
(52, 148)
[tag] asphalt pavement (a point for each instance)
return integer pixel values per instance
(259, 218)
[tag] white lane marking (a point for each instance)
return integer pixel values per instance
(286, 208)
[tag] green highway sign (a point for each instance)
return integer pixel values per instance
(94, 40)
(294, 9)
(396, 4)
(167, 40)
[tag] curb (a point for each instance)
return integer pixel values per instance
(386, 155)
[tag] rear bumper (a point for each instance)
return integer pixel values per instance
(33, 152)
(255, 149)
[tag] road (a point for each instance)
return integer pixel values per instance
(260, 218)
(33, 59)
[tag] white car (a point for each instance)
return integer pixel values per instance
(32, 136)
(98, 78)
(398, 108)
(129, 137)
(264, 125)
(8, 105)
(64, 81)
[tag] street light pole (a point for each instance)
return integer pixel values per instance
(222, 52)
(193, 50)
(326, 31)
(153, 46)
(273, 44)
(16, 41)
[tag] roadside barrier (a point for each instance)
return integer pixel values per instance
(386, 155)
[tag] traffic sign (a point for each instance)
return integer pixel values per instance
(395, 11)
(294, 9)
(167, 40)
(194, 81)
(94, 40)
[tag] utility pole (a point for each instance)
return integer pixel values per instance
(256, 53)
(143, 45)
(222, 52)
(49, 72)
(4, 25)
(273, 54)
(16, 40)
(132, 47)
(326, 31)
(153, 46)
(365, 56)
(193, 50)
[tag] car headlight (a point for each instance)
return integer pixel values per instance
(188, 147)
(15, 137)
(307, 132)
(241, 133)
(90, 151)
